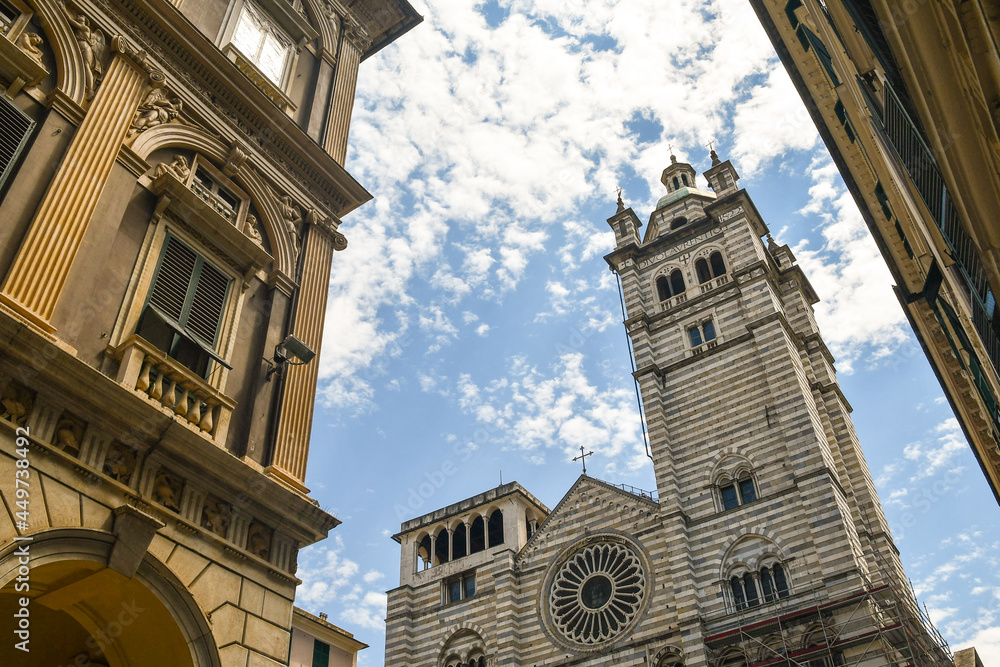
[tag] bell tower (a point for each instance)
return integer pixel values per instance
(754, 452)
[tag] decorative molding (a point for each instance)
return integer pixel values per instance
(290, 157)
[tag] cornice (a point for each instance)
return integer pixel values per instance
(211, 84)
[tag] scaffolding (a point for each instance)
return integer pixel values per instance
(871, 627)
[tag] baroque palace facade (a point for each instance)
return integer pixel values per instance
(171, 185)
(765, 542)
(906, 98)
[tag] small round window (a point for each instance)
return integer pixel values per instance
(597, 593)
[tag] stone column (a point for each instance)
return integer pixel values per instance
(431, 554)
(486, 532)
(38, 274)
(291, 446)
(451, 545)
(356, 41)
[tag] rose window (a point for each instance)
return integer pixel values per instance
(597, 592)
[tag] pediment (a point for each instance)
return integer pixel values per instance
(590, 506)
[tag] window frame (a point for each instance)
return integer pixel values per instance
(463, 582)
(266, 27)
(180, 324)
(141, 284)
(281, 15)
(735, 482)
(738, 595)
(698, 326)
(19, 22)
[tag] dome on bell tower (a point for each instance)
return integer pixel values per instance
(679, 179)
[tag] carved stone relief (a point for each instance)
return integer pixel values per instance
(259, 540)
(119, 464)
(178, 167)
(16, 402)
(167, 491)
(159, 108)
(252, 230)
(216, 516)
(69, 434)
(291, 214)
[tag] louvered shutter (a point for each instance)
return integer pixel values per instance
(189, 291)
(15, 130)
(208, 303)
(173, 280)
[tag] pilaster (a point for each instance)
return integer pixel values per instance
(346, 81)
(37, 278)
(291, 447)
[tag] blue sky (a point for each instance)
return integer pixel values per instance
(473, 326)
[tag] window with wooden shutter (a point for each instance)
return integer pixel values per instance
(185, 306)
(321, 654)
(15, 130)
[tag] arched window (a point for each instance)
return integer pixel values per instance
(424, 551)
(496, 528)
(684, 177)
(704, 273)
(718, 266)
(459, 542)
(751, 589)
(678, 222)
(676, 183)
(740, 491)
(695, 334)
(736, 585)
(676, 282)
(780, 583)
(662, 288)
(477, 535)
(702, 333)
(441, 546)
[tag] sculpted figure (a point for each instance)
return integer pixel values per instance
(119, 463)
(15, 404)
(216, 516)
(252, 231)
(259, 541)
(92, 45)
(292, 216)
(165, 493)
(158, 108)
(69, 433)
(178, 167)
(28, 42)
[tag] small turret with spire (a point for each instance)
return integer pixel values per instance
(722, 176)
(625, 224)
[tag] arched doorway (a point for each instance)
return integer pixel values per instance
(83, 613)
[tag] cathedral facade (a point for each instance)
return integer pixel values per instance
(764, 542)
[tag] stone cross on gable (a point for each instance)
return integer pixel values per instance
(583, 457)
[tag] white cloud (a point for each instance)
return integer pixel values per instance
(479, 158)
(330, 582)
(857, 312)
(560, 410)
(372, 576)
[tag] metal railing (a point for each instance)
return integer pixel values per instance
(636, 491)
(902, 134)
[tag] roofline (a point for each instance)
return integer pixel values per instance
(430, 518)
(343, 638)
(410, 20)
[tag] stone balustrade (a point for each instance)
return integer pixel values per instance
(164, 381)
(217, 203)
